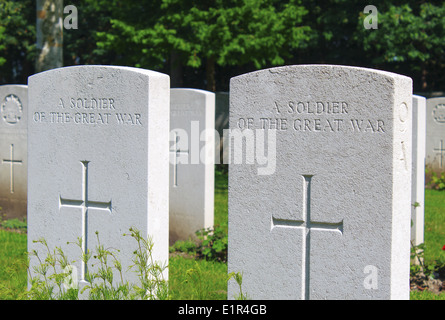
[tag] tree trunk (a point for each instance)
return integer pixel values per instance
(49, 34)
(210, 74)
(423, 77)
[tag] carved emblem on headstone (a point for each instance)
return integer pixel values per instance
(439, 113)
(11, 109)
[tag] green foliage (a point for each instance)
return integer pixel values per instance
(207, 42)
(17, 40)
(239, 280)
(201, 288)
(434, 226)
(437, 182)
(223, 32)
(213, 244)
(50, 276)
(426, 276)
(197, 278)
(189, 247)
(426, 295)
(49, 284)
(13, 265)
(149, 271)
(17, 224)
(408, 33)
(411, 34)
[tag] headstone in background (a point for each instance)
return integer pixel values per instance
(13, 151)
(333, 220)
(192, 165)
(98, 161)
(418, 170)
(435, 135)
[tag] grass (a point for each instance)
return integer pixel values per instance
(197, 278)
(434, 238)
(221, 211)
(426, 295)
(13, 264)
(434, 226)
(191, 278)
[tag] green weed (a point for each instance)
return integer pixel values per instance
(51, 275)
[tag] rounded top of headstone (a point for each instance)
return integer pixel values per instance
(192, 91)
(435, 100)
(86, 68)
(6, 86)
(321, 71)
(419, 97)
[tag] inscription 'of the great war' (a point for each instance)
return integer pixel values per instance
(315, 116)
(88, 111)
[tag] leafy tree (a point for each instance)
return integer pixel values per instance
(334, 23)
(410, 39)
(17, 40)
(222, 32)
(214, 40)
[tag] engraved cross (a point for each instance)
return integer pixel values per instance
(440, 150)
(84, 204)
(11, 162)
(307, 225)
(177, 152)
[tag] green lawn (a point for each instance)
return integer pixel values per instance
(200, 279)
(434, 225)
(13, 264)
(434, 237)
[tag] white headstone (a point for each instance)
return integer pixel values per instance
(13, 150)
(435, 134)
(98, 160)
(332, 221)
(418, 170)
(192, 165)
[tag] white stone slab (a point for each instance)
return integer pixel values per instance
(435, 134)
(98, 160)
(332, 221)
(13, 150)
(192, 164)
(418, 170)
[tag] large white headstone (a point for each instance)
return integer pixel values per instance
(13, 150)
(332, 221)
(98, 160)
(418, 170)
(435, 134)
(192, 162)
